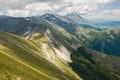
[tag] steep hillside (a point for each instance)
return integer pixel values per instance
(21, 59)
(105, 41)
(92, 65)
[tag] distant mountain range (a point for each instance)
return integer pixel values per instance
(54, 47)
(98, 39)
(105, 23)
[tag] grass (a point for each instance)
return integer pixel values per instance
(21, 58)
(88, 68)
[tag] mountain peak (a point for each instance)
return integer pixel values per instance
(49, 17)
(3, 16)
(74, 14)
(75, 18)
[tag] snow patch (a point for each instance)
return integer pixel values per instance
(27, 19)
(53, 18)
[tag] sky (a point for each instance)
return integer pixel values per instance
(89, 9)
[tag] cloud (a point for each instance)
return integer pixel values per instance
(105, 15)
(38, 7)
(18, 12)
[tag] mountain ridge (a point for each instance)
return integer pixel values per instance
(49, 42)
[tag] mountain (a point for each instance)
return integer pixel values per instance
(3, 16)
(98, 39)
(88, 35)
(92, 65)
(60, 21)
(107, 42)
(104, 41)
(48, 47)
(106, 24)
(24, 59)
(75, 18)
(110, 24)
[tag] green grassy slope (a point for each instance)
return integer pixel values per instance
(105, 41)
(23, 60)
(92, 65)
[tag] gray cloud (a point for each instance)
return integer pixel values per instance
(20, 3)
(105, 15)
(37, 7)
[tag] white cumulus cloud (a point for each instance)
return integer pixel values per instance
(38, 7)
(105, 15)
